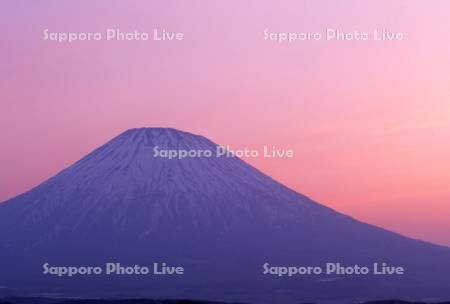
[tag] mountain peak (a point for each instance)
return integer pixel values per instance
(156, 130)
(165, 138)
(133, 165)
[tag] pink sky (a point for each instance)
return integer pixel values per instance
(369, 121)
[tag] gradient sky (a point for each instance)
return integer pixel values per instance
(369, 121)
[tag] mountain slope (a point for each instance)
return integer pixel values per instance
(219, 218)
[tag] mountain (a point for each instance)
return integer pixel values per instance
(217, 217)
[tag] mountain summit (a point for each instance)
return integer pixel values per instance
(217, 217)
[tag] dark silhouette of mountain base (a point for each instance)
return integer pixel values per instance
(402, 302)
(103, 301)
(146, 301)
(217, 217)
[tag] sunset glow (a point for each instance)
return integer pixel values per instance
(369, 121)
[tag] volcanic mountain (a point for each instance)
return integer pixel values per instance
(217, 217)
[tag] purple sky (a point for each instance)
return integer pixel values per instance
(369, 121)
